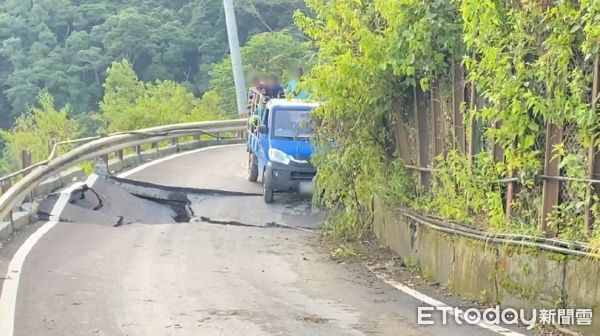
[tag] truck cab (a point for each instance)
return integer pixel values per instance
(279, 147)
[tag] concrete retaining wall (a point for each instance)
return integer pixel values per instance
(513, 277)
(25, 214)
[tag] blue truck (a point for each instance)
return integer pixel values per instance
(279, 146)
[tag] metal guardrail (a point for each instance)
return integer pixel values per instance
(575, 248)
(99, 147)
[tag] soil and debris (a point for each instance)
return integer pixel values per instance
(373, 255)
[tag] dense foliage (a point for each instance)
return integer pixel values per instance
(371, 54)
(128, 104)
(131, 104)
(36, 129)
(531, 62)
(66, 45)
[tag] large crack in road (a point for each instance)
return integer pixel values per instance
(107, 203)
(121, 201)
(265, 226)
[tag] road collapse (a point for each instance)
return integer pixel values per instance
(115, 202)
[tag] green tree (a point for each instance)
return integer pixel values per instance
(208, 108)
(36, 129)
(163, 103)
(122, 89)
(130, 104)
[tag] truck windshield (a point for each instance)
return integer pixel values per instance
(292, 124)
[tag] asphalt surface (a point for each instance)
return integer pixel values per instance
(229, 271)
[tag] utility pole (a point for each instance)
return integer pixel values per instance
(236, 57)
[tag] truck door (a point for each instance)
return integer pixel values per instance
(263, 141)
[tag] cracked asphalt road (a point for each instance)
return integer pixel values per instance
(201, 279)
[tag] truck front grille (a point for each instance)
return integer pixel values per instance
(301, 176)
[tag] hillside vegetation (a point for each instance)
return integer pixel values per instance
(65, 46)
(96, 66)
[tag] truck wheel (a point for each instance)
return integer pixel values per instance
(267, 190)
(252, 168)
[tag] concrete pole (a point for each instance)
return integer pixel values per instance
(236, 57)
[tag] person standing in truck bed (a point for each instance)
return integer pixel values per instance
(274, 88)
(292, 87)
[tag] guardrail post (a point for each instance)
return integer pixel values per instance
(197, 137)
(120, 155)
(138, 150)
(104, 159)
(5, 186)
(52, 143)
(175, 142)
(26, 162)
(25, 159)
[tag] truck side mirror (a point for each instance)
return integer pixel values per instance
(262, 129)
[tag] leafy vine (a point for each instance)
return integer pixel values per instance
(370, 56)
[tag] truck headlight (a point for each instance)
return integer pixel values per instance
(276, 155)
